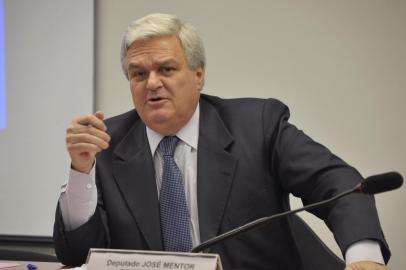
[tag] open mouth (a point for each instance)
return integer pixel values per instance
(155, 99)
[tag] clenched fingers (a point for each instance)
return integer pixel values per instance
(88, 129)
(102, 142)
(92, 120)
(85, 137)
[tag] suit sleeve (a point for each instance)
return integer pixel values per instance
(310, 171)
(72, 247)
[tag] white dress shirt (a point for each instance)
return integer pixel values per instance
(78, 198)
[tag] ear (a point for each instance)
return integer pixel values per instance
(199, 73)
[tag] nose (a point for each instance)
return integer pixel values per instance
(154, 82)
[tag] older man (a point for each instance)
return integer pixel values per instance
(183, 167)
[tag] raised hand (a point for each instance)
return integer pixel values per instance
(85, 137)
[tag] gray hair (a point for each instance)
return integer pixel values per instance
(158, 25)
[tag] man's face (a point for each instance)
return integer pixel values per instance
(164, 89)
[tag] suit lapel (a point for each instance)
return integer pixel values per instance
(215, 170)
(135, 175)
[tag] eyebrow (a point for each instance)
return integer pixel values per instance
(138, 65)
(134, 66)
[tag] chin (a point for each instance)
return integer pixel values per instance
(159, 118)
(156, 120)
(163, 125)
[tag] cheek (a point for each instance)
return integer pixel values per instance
(137, 95)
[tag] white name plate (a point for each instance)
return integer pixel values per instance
(119, 259)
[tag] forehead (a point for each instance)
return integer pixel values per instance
(156, 49)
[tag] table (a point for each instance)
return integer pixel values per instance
(40, 265)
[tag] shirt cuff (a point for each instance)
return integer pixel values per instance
(78, 199)
(365, 250)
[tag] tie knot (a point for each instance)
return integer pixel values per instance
(168, 145)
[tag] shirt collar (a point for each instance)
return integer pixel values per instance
(189, 133)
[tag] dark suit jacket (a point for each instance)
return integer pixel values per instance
(249, 159)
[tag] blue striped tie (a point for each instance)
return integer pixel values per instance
(173, 209)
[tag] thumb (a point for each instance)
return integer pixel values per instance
(99, 114)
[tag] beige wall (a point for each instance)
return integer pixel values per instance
(339, 65)
(49, 80)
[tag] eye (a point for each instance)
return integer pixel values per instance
(166, 70)
(138, 75)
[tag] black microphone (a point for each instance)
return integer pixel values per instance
(381, 183)
(372, 185)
